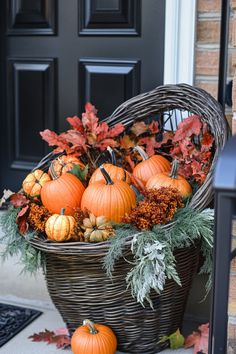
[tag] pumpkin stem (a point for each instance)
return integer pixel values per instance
(62, 211)
(174, 169)
(106, 175)
(91, 326)
(141, 152)
(113, 157)
(52, 171)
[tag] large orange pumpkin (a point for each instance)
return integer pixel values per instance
(60, 227)
(150, 165)
(64, 164)
(111, 198)
(34, 181)
(62, 192)
(172, 179)
(93, 339)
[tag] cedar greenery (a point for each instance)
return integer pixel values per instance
(152, 250)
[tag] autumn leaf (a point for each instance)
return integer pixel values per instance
(79, 172)
(166, 137)
(89, 118)
(61, 340)
(102, 145)
(154, 127)
(18, 200)
(150, 142)
(130, 161)
(139, 128)
(76, 139)
(126, 142)
(207, 141)
(21, 220)
(116, 130)
(199, 340)
(54, 139)
(76, 123)
(190, 126)
(176, 340)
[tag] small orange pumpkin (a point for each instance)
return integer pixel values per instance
(110, 198)
(172, 179)
(115, 172)
(34, 181)
(62, 192)
(60, 227)
(64, 164)
(93, 339)
(150, 165)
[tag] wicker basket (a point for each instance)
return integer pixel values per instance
(76, 281)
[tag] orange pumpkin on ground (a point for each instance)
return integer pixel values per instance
(60, 227)
(111, 198)
(64, 164)
(93, 339)
(172, 179)
(150, 165)
(62, 192)
(115, 172)
(34, 181)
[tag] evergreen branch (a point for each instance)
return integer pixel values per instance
(17, 245)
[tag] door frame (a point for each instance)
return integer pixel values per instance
(180, 37)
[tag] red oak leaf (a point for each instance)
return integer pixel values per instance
(207, 141)
(102, 145)
(89, 118)
(50, 337)
(54, 139)
(150, 142)
(126, 142)
(76, 123)
(139, 128)
(102, 131)
(199, 339)
(18, 200)
(167, 136)
(154, 127)
(190, 126)
(75, 138)
(116, 130)
(21, 220)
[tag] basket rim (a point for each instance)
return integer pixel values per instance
(161, 96)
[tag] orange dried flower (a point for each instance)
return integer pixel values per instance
(158, 207)
(38, 216)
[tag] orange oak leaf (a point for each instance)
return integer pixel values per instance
(190, 126)
(130, 161)
(54, 139)
(76, 123)
(126, 142)
(139, 128)
(18, 200)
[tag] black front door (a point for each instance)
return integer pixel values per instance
(58, 54)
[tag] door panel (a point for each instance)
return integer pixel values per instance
(31, 17)
(57, 55)
(110, 17)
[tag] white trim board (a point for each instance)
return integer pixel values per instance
(180, 26)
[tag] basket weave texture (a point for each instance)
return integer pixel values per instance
(76, 280)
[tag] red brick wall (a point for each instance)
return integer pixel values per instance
(207, 47)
